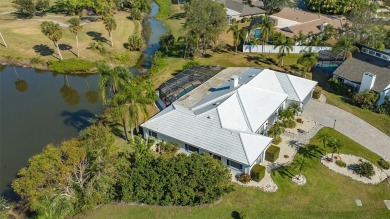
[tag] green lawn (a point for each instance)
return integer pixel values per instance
(326, 195)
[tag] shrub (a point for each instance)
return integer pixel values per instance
(365, 169)
(277, 140)
(36, 60)
(339, 87)
(341, 163)
(366, 99)
(136, 14)
(135, 42)
(299, 120)
(286, 156)
(317, 92)
(190, 64)
(72, 66)
(272, 153)
(244, 178)
(290, 124)
(385, 107)
(384, 164)
(257, 172)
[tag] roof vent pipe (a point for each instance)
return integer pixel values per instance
(234, 82)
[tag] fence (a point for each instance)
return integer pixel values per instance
(272, 49)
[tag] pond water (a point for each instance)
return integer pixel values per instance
(38, 108)
(41, 107)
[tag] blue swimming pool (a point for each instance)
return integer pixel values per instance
(186, 90)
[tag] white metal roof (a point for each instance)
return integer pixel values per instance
(204, 131)
(225, 121)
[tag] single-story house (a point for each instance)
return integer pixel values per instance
(368, 69)
(229, 114)
(237, 10)
(291, 21)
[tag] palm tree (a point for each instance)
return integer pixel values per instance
(113, 79)
(5, 44)
(285, 46)
(300, 164)
(119, 111)
(301, 37)
(276, 130)
(74, 28)
(110, 25)
(139, 95)
(335, 145)
(53, 32)
(267, 28)
(345, 46)
(325, 138)
(236, 34)
(308, 60)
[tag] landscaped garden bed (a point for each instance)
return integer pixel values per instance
(352, 162)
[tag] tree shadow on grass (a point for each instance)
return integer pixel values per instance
(66, 47)
(283, 172)
(44, 50)
(96, 36)
(254, 59)
(310, 151)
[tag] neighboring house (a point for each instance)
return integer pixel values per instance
(291, 21)
(236, 9)
(368, 69)
(228, 115)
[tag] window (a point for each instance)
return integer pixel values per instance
(192, 148)
(217, 157)
(234, 164)
(152, 134)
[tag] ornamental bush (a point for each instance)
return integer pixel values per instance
(277, 140)
(341, 163)
(384, 164)
(272, 153)
(365, 169)
(257, 172)
(244, 178)
(366, 99)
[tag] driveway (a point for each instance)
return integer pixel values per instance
(350, 125)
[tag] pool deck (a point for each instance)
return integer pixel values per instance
(203, 90)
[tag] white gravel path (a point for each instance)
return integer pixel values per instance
(350, 160)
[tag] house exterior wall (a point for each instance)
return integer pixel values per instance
(383, 94)
(160, 137)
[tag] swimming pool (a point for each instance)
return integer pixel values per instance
(327, 67)
(187, 90)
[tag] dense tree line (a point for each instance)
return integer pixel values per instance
(81, 173)
(75, 7)
(335, 6)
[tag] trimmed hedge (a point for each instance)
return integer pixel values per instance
(72, 66)
(272, 153)
(317, 92)
(341, 163)
(257, 172)
(277, 140)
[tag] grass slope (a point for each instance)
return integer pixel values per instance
(25, 40)
(326, 195)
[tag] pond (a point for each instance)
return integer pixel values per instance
(38, 108)
(41, 107)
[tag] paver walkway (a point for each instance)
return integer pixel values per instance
(350, 125)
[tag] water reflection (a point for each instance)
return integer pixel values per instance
(20, 85)
(70, 95)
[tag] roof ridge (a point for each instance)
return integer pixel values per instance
(278, 75)
(243, 147)
(244, 112)
(292, 85)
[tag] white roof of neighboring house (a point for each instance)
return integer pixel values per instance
(225, 121)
